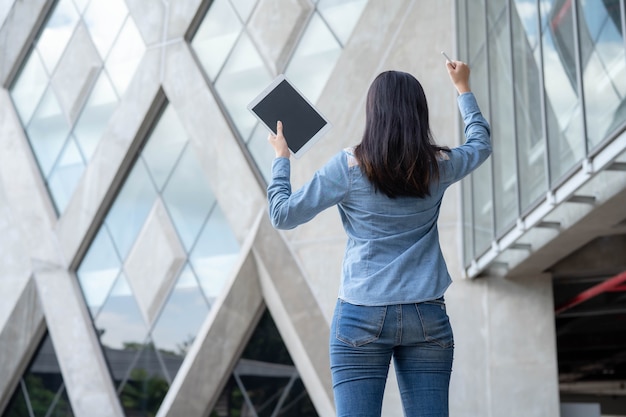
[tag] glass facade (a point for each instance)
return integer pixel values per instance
(147, 312)
(163, 251)
(555, 95)
(71, 82)
(238, 72)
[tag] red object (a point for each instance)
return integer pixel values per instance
(610, 285)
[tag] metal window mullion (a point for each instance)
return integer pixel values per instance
(544, 107)
(623, 14)
(579, 76)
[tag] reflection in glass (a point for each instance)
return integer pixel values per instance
(181, 318)
(188, 198)
(341, 15)
(504, 155)
(145, 385)
(264, 382)
(57, 33)
(104, 19)
(482, 178)
(119, 323)
(244, 76)
(29, 87)
(164, 147)
(604, 68)
(215, 254)
(41, 391)
(130, 209)
(262, 154)
(125, 57)
(565, 124)
(98, 270)
(64, 177)
(216, 36)
(314, 59)
(95, 116)
(529, 121)
(48, 131)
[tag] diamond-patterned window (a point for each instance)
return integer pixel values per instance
(71, 82)
(265, 381)
(238, 70)
(41, 390)
(156, 266)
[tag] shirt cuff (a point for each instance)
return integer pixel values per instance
(281, 167)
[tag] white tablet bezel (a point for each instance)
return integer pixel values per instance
(309, 143)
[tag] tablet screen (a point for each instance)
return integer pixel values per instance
(302, 123)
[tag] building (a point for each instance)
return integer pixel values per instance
(139, 274)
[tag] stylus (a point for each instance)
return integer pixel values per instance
(449, 59)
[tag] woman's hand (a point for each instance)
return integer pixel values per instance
(459, 74)
(278, 142)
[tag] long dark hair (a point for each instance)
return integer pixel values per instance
(397, 152)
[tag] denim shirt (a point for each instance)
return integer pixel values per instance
(392, 255)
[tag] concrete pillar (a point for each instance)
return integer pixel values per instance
(505, 348)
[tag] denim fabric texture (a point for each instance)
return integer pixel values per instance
(364, 339)
(392, 255)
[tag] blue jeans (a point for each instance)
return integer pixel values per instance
(363, 340)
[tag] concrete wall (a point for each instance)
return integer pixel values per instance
(505, 350)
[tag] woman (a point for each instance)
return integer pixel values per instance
(388, 190)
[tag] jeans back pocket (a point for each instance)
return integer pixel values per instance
(359, 325)
(435, 323)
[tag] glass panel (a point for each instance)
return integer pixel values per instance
(468, 227)
(341, 15)
(166, 143)
(482, 179)
(5, 9)
(120, 324)
(529, 121)
(81, 4)
(57, 33)
(262, 154)
(98, 270)
(179, 322)
(215, 254)
(41, 389)
(565, 128)
(603, 66)
(65, 175)
(188, 198)
(244, 76)
(95, 116)
(504, 151)
(146, 386)
(29, 87)
(131, 207)
(244, 8)
(17, 406)
(216, 36)
(125, 56)
(48, 131)
(104, 19)
(314, 59)
(265, 382)
(476, 23)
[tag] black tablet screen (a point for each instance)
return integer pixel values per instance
(300, 121)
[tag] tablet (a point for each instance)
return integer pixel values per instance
(303, 124)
